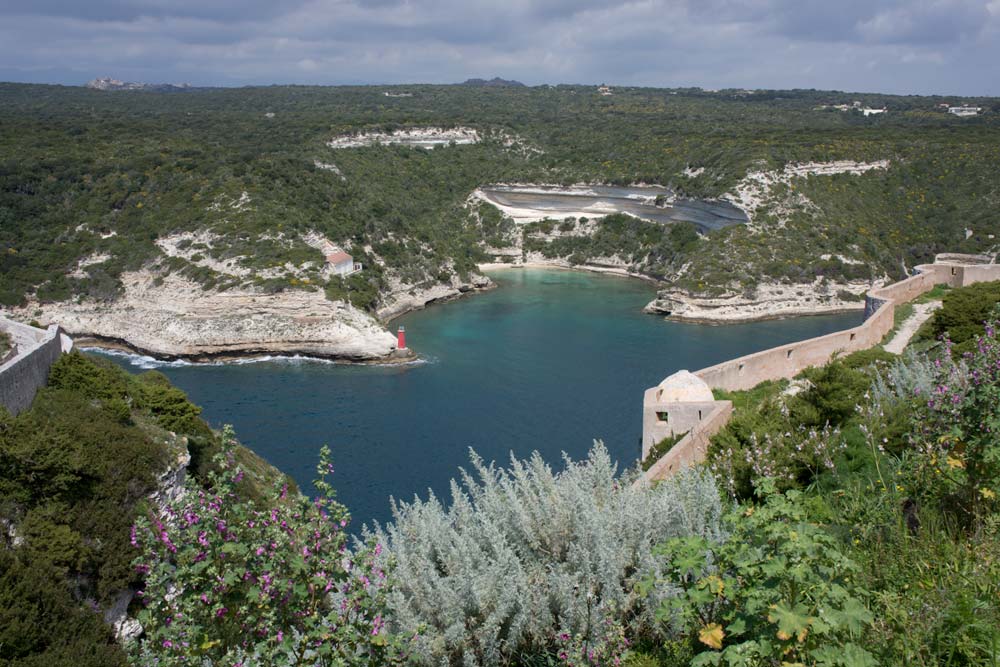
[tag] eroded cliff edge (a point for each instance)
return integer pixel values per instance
(764, 302)
(172, 317)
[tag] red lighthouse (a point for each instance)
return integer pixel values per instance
(401, 338)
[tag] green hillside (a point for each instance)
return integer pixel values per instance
(103, 175)
(76, 471)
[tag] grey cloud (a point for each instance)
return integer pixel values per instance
(926, 22)
(891, 45)
(131, 10)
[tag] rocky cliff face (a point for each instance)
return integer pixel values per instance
(765, 301)
(402, 298)
(173, 317)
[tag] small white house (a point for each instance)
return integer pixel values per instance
(964, 111)
(342, 263)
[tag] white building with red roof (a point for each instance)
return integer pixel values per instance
(342, 263)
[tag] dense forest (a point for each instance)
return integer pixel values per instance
(90, 180)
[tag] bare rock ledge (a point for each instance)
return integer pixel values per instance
(768, 301)
(175, 318)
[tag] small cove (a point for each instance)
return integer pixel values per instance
(549, 361)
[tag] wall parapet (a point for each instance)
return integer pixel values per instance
(27, 371)
(787, 361)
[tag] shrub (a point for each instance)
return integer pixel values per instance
(835, 389)
(660, 449)
(962, 314)
(42, 625)
(525, 555)
(936, 590)
(951, 424)
(778, 590)
(74, 474)
(790, 458)
(793, 439)
(229, 582)
(88, 377)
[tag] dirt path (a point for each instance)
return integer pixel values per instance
(921, 313)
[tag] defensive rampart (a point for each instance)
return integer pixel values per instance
(787, 361)
(22, 375)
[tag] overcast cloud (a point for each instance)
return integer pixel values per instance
(897, 46)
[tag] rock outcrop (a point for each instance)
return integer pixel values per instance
(766, 301)
(403, 298)
(172, 317)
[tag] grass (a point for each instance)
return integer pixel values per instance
(660, 449)
(935, 294)
(751, 397)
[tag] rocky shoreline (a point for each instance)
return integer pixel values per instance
(170, 318)
(405, 299)
(767, 301)
(85, 341)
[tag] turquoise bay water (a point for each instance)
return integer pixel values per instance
(549, 361)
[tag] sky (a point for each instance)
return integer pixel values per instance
(948, 47)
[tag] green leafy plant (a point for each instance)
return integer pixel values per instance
(661, 448)
(779, 589)
(961, 315)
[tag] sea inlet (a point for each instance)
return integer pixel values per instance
(549, 361)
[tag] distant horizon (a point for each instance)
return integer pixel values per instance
(235, 86)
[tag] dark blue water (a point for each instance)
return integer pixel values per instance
(549, 361)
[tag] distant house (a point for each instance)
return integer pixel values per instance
(964, 111)
(853, 106)
(604, 90)
(342, 263)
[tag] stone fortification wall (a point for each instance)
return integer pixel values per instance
(23, 375)
(789, 360)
